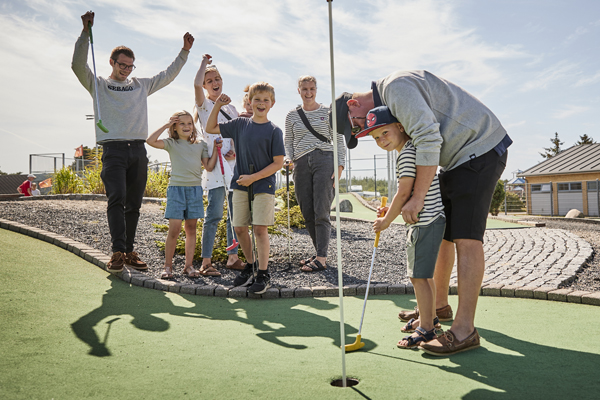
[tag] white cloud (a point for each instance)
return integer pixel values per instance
(569, 111)
(562, 70)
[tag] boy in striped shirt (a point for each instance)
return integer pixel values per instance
(425, 236)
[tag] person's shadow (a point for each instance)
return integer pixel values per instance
(268, 316)
(531, 371)
(120, 299)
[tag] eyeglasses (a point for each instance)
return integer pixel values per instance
(125, 66)
(355, 128)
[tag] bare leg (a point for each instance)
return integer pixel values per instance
(190, 241)
(471, 265)
(262, 245)
(171, 242)
(425, 293)
(245, 242)
(443, 272)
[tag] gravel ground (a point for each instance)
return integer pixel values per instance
(85, 221)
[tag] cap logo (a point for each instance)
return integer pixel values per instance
(371, 119)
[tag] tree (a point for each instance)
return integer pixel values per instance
(497, 198)
(585, 139)
(555, 149)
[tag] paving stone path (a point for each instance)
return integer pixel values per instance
(532, 257)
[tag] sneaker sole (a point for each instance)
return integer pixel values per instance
(247, 283)
(114, 271)
(262, 291)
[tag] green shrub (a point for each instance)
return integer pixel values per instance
(92, 180)
(296, 218)
(157, 183)
(65, 180)
(497, 198)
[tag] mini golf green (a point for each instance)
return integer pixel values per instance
(71, 331)
(361, 212)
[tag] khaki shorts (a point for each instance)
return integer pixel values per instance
(263, 209)
(422, 248)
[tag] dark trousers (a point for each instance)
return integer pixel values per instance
(124, 173)
(314, 192)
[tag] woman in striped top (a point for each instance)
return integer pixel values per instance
(311, 157)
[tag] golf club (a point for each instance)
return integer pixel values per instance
(250, 201)
(235, 243)
(287, 184)
(99, 123)
(358, 344)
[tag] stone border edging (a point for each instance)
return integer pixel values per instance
(77, 196)
(138, 278)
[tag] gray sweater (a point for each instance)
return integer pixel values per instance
(447, 124)
(123, 105)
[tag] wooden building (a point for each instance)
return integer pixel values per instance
(571, 179)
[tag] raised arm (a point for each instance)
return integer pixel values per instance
(212, 125)
(153, 140)
(199, 80)
(80, 55)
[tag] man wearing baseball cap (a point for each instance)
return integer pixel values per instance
(25, 187)
(452, 129)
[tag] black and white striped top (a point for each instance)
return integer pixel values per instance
(299, 141)
(406, 167)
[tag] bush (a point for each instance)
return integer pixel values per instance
(65, 180)
(296, 218)
(157, 183)
(91, 179)
(497, 198)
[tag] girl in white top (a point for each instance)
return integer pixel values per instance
(34, 190)
(209, 79)
(184, 193)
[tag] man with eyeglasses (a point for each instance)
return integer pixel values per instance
(123, 105)
(452, 129)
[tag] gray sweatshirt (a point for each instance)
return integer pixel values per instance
(123, 105)
(447, 124)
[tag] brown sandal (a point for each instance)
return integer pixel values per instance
(209, 270)
(237, 265)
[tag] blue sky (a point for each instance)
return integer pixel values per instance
(533, 62)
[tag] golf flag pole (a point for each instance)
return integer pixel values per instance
(337, 200)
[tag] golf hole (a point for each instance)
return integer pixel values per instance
(349, 382)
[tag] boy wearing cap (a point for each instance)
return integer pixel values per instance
(425, 236)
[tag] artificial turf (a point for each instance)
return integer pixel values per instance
(71, 331)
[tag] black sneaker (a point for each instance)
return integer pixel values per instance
(245, 277)
(261, 283)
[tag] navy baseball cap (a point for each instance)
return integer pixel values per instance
(376, 118)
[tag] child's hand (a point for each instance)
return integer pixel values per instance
(380, 224)
(381, 211)
(218, 143)
(223, 100)
(245, 180)
(188, 41)
(207, 57)
(230, 155)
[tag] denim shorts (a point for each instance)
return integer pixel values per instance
(184, 202)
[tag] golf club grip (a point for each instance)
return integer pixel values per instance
(250, 189)
(383, 204)
(221, 162)
(90, 31)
